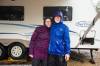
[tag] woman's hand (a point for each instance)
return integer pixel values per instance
(31, 55)
(67, 57)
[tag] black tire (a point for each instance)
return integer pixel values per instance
(14, 49)
(2, 52)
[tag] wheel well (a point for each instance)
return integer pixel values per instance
(16, 43)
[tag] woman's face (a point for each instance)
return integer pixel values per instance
(48, 23)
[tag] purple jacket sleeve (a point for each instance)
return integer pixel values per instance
(32, 42)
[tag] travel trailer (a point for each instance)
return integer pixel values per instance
(14, 40)
(19, 18)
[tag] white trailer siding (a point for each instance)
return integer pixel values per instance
(83, 13)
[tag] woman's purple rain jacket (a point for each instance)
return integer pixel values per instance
(39, 43)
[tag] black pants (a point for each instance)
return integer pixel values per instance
(55, 60)
(36, 62)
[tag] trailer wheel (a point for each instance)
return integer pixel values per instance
(2, 52)
(16, 51)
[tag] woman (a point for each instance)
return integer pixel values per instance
(38, 49)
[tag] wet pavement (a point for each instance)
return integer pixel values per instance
(81, 59)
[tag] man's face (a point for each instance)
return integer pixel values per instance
(57, 19)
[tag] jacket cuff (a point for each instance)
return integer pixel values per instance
(67, 54)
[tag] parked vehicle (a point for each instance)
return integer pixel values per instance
(16, 38)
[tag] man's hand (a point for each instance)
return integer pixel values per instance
(31, 56)
(67, 57)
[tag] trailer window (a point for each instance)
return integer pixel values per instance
(67, 11)
(12, 13)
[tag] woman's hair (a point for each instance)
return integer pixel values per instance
(46, 19)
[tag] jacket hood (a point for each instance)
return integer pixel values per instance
(58, 13)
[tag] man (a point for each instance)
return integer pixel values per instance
(59, 47)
